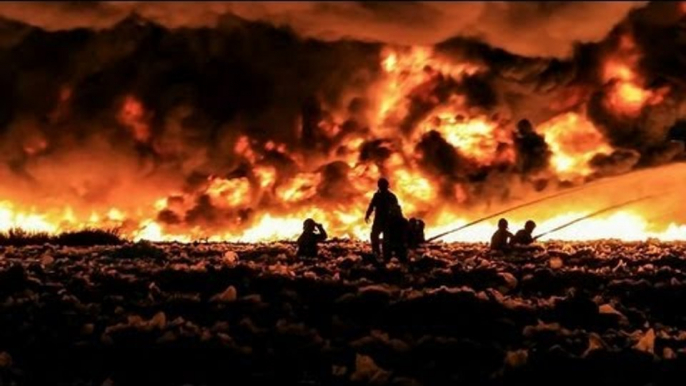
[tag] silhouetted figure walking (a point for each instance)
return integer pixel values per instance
(524, 236)
(307, 242)
(416, 236)
(499, 240)
(381, 205)
(396, 234)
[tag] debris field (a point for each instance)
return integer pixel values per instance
(607, 312)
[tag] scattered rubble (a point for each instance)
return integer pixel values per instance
(216, 314)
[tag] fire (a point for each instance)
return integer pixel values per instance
(416, 190)
(266, 176)
(244, 149)
(10, 218)
(411, 71)
(233, 192)
(266, 202)
(625, 225)
(302, 187)
(477, 138)
(573, 141)
(626, 94)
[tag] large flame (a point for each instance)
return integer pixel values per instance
(284, 201)
(574, 141)
(627, 95)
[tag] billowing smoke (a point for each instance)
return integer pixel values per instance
(219, 112)
(525, 28)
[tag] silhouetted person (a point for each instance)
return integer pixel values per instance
(499, 240)
(396, 234)
(307, 242)
(381, 205)
(524, 236)
(416, 236)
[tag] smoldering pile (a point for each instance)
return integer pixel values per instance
(216, 313)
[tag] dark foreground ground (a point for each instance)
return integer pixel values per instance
(219, 314)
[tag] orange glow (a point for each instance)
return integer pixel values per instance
(477, 138)
(244, 148)
(625, 225)
(302, 187)
(626, 94)
(573, 141)
(233, 192)
(133, 116)
(407, 71)
(267, 202)
(266, 176)
(617, 70)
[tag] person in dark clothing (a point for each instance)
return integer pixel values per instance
(396, 234)
(416, 237)
(524, 236)
(381, 204)
(307, 242)
(499, 240)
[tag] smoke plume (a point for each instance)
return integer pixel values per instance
(524, 28)
(214, 115)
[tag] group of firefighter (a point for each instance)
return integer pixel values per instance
(401, 234)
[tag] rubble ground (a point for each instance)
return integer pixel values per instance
(607, 312)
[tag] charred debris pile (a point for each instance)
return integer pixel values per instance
(214, 314)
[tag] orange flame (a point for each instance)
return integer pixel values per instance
(573, 141)
(477, 138)
(286, 199)
(626, 94)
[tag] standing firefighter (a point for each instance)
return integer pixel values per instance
(396, 234)
(307, 242)
(499, 240)
(381, 205)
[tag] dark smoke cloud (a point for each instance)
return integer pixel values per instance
(376, 151)
(525, 28)
(618, 162)
(439, 157)
(201, 90)
(336, 183)
(207, 75)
